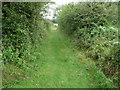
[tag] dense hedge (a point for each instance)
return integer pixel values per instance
(94, 26)
(22, 30)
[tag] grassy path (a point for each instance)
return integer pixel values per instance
(63, 67)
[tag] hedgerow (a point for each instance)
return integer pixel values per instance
(94, 26)
(23, 28)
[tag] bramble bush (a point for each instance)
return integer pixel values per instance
(94, 27)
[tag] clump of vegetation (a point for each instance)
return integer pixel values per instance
(94, 27)
(23, 29)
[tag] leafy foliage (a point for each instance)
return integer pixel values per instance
(23, 27)
(94, 27)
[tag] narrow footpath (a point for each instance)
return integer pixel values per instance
(62, 66)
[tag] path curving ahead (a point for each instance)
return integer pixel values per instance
(63, 67)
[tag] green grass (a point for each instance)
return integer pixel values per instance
(62, 66)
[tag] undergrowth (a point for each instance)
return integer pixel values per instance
(23, 29)
(94, 28)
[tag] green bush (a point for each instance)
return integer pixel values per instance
(94, 27)
(86, 15)
(22, 30)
